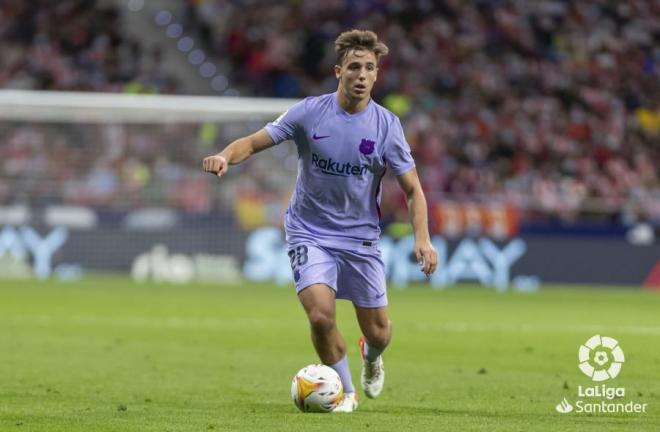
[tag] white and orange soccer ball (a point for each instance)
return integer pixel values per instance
(317, 388)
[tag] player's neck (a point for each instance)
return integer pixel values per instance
(351, 106)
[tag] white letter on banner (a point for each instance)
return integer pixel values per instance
(266, 256)
(502, 260)
(467, 263)
(43, 249)
(11, 242)
(404, 269)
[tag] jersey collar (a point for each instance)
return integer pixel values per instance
(346, 116)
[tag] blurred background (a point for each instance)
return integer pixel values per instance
(535, 127)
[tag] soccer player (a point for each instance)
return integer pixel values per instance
(345, 142)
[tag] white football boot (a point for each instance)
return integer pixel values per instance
(348, 404)
(373, 374)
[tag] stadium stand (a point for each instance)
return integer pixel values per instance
(75, 45)
(551, 106)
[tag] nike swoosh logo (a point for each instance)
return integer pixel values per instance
(320, 137)
(380, 295)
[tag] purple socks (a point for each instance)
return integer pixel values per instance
(344, 373)
(371, 353)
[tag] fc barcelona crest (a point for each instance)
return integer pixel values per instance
(367, 146)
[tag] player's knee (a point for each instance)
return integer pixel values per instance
(321, 321)
(379, 333)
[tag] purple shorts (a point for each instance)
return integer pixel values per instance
(356, 274)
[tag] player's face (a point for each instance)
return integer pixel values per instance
(357, 74)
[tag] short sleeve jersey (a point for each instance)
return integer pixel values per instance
(342, 159)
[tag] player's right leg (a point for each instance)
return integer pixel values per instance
(315, 274)
(318, 300)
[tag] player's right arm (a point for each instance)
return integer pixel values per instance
(281, 129)
(237, 152)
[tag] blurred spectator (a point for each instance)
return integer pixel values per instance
(73, 45)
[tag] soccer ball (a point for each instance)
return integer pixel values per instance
(317, 388)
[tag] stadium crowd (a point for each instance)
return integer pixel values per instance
(551, 105)
(74, 45)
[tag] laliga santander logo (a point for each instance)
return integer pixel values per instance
(601, 358)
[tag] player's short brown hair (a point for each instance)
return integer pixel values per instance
(359, 39)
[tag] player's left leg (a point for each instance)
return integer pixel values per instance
(377, 333)
(361, 279)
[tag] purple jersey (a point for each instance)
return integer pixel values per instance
(341, 160)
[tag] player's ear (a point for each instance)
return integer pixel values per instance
(337, 71)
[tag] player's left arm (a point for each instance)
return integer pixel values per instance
(426, 255)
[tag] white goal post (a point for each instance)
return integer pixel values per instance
(80, 107)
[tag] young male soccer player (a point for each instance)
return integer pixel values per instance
(345, 143)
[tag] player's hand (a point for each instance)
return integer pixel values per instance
(427, 257)
(215, 164)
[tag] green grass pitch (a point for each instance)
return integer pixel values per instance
(106, 354)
